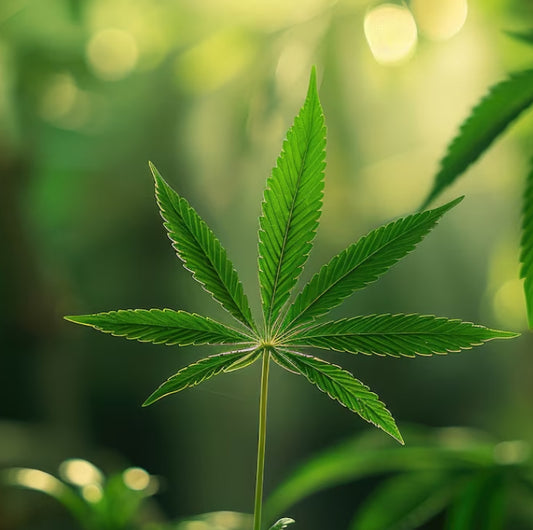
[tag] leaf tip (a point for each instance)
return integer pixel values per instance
(78, 319)
(149, 401)
(312, 82)
(155, 173)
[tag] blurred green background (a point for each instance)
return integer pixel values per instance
(90, 90)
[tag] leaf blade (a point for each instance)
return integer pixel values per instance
(291, 205)
(341, 386)
(396, 335)
(162, 326)
(526, 245)
(196, 373)
(361, 263)
(504, 102)
(200, 251)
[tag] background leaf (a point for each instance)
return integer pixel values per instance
(404, 502)
(479, 504)
(370, 454)
(200, 251)
(504, 102)
(340, 385)
(162, 326)
(282, 523)
(526, 245)
(522, 36)
(291, 205)
(197, 373)
(361, 263)
(396, 335)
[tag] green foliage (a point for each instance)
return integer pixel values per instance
(200, 251)
(288, 223)
(163, 326)
(96, 502)
(456, 472)
(361, 263)
(526, 245)
(282, 524)
(395, 335)
(502, 105)
(504, 102)
(291, 206)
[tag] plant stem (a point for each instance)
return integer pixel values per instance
(261, 443)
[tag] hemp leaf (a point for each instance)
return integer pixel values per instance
(287, 226)
(291, 208)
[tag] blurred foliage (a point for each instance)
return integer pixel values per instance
(90, 90)
(477, 482)
(96, 502)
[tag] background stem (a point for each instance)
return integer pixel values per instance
(258, 505)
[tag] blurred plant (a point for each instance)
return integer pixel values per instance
(96, 502)
(290, 213)
(476, 482)
(487, 121)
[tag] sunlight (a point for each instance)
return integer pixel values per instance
(214, 61)
(440, 19)
(37, 480)
(92, 493)
(391, 33)
(112, 54)
(509, 304)
(80, 472)
(136, 478)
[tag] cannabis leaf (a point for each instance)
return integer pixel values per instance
(504, 102)
(287, 226)
(526, 245)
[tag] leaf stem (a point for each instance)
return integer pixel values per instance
(261, 443)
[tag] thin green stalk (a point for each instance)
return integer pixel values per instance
(261, 443)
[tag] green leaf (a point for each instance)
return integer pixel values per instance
(162, 326)
(361, 263)
(526, 246)
(200, 251)
(368, 455)
(197, 373)
(340, 385)
(411, 499)
(523, 36)
(282, 523)
(479, 504)
(396, 335)
(504, 102)
(291, 206)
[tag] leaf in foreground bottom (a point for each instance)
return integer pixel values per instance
(197, 373)
(341, 386)
(282, 523)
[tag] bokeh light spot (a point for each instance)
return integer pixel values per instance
(509, 304)
(136, 478)
(80, 472)
(214, 61)
(36, 480)
(112, 54)
(92, 493)
(391, 33)
(512, 452)
(439, 19)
